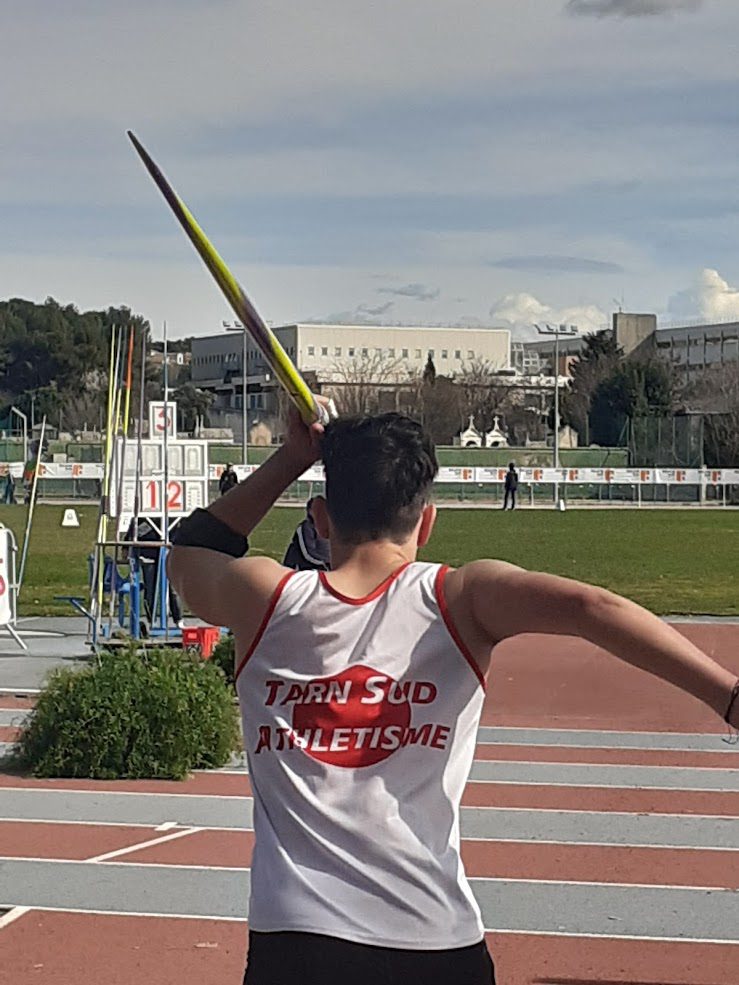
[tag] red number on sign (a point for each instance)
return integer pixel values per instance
(2, 586)
(174, 496)
(153, 492)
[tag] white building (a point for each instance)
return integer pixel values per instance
(335, 353)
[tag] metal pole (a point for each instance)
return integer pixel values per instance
(244, 437)
(24, 419)
(31, 507)
(165, 494)
(556, 399)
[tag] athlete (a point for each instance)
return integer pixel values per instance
(361, 690)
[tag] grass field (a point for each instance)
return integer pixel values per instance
(681, 561)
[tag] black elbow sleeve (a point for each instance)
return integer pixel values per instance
(202, 529)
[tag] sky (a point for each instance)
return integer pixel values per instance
(372, 161)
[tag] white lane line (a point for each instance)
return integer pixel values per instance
(488, 930)
(126, 793)
(140, 845)
(166, 826)
(473, 808)
(20, 692)
(614, 937)
(621, 788)
(465, 840)
(132, 913)
(12, 915)
(668, 887)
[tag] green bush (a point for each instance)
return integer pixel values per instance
(157, 715)
(223, 656)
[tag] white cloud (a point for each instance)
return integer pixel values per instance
(710, 298)
(522, 311)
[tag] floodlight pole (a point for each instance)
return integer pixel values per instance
(556, 331)
(238, 327)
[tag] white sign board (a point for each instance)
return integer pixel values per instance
(186, 479)
(7, 576)
(161, 420)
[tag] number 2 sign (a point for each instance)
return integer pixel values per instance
(152, 497)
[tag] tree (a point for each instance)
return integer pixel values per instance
(716, 393)
(429, 371)
(635, 388)
(52, 355)
(192, 404)
(357, 383)
(483, 395)
(599, 358)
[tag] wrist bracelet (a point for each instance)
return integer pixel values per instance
(732, 702)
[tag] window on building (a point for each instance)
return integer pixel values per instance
(350, 350)
(378, 350)
(311, 350)
(444, 354)
(391, 352)
(457, 353)
(470, 354)
(365, 352)
(337, 350)
(431, 353)
(418, 353)
(405, 353)
(324, 350)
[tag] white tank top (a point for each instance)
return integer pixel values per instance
(360, 721)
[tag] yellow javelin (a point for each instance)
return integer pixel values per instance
(276, 357)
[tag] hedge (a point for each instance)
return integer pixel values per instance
(157, 715)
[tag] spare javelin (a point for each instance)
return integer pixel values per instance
(276, 357)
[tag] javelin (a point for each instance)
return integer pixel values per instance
(276, 357)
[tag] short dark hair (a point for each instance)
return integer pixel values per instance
(378, 474)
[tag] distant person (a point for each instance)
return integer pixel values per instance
(511, 486)
(9, 490)
(308, 551)
(228, 480)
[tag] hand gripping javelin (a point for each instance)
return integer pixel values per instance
(276, 357)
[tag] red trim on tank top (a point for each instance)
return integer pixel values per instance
(265, 621)
(374, 594)
(449, 622)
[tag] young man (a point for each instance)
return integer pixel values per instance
(361, 691)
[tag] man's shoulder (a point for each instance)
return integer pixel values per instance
(468, 576)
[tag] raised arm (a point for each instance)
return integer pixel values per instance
(501, 601)
(220, 586)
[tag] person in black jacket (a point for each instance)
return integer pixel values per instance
(228, 480)
(511, 486)
(307, 551)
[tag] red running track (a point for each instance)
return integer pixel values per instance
(536, 682)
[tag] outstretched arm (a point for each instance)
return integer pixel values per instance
(506, 601)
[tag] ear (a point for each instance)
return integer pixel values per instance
(320, 516)
(428, 519)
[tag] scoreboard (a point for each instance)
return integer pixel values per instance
(184, 488)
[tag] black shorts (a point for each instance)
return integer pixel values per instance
(289, 958)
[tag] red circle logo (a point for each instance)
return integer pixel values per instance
(359, 717)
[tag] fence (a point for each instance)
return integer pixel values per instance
(82, 480)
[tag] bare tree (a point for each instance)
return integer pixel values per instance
(716, 393)
(363, 383)
(484, 395)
